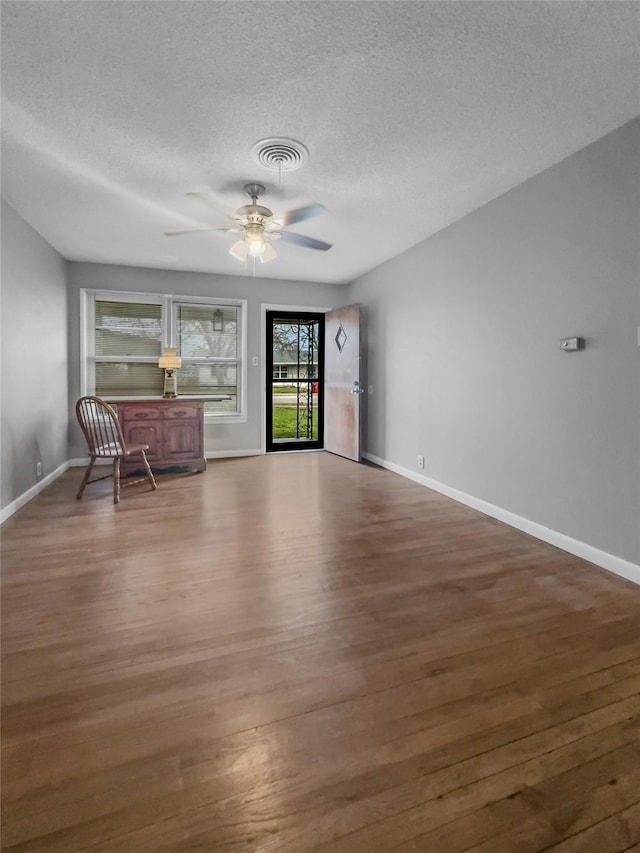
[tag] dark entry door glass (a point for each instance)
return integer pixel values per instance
(295, 378)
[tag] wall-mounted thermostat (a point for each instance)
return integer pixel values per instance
(571, 344)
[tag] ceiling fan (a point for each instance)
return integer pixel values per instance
(259, 227)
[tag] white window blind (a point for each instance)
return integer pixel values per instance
(127, 329)
(128, 343)
(207, 340)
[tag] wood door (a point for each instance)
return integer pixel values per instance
(342, 382)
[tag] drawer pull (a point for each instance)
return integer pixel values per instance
(180, 413)
(141, 415)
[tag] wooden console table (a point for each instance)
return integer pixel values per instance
(173, 429)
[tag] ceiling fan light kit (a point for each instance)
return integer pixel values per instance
(255, 239)
(260, 226)
(239, 250)
(252, 217)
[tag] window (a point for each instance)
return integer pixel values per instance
(128, 343)
(207, 342)
(280, 371)
(125, 334)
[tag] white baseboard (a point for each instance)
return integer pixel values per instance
(25, 497)
(607, 561)
(230, 454)
(83, 462)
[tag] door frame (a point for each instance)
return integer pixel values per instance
(305, 309)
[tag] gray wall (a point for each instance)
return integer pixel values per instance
(34, 357)
(463, 350)
(218, 437)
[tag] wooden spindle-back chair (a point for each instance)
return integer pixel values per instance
(105, 440)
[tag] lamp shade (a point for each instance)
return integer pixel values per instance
(269, 253)
(239, 250)
(169, 360)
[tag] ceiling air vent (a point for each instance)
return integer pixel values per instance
(280, 155)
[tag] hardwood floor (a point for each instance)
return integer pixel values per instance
(289, 654)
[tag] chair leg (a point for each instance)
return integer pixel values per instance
(116, 480)
(147, 468)
(85, 479)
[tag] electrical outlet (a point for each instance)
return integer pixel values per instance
(38, 469)
(420, 461)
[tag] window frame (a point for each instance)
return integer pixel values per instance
(169, 306)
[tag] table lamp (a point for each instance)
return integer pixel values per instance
(169, 361)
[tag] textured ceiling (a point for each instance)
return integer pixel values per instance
(414, 113)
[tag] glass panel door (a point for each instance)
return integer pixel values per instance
(295, 365)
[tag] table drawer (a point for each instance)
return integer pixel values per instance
(181, 411)
(139, 412)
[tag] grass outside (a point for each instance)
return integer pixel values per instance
(284, 424)
(292, 389)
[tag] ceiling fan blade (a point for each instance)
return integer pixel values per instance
(301, 213)
(198, 231)
(208, 203)
(302, 240)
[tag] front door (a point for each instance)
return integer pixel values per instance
(342, 382)
(295, 379)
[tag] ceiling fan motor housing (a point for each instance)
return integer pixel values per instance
(253, 230)
(253, 210)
